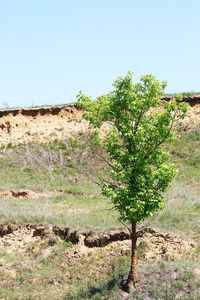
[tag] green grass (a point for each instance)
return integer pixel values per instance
(87, 211)
(189, 94)
(94, 276)
(35, 106)
(71, 166)
(182, 199)
(40, 168)
(182, 210)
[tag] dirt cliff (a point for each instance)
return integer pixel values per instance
(22, 125)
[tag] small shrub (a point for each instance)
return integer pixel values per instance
(62, 146)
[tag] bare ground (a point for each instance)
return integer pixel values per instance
(158, 244)
(34, 194)
(45, 124)
(89, 247)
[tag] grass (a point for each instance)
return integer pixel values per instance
(172, 280)
(33, 106)
(57, 272)
(70, 166)
(181, 214)
(74, 211)
(55, 166)
(189, 94)
(182, 199)
(40, 273)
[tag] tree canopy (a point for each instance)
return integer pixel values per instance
(139, 123)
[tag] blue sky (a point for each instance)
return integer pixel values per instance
(50, 50)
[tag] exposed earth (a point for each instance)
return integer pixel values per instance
(22, 125)
(157, 244)
(31, 240)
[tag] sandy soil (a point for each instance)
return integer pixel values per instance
(22, 128)
(18, 126)
(30, 194)
(158, 245)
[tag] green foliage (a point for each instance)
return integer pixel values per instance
(62, 146)
(139, 123)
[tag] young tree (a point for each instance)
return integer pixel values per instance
(140, 170)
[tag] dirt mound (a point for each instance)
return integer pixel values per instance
(157, 245)
(29, 194)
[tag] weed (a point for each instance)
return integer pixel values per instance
(62, 146)
(59, 129)
(9, 146)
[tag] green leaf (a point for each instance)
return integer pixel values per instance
(140, 122)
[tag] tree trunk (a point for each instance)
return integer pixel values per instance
(132, 278)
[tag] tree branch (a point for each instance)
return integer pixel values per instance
(164, 138)
(125, 226)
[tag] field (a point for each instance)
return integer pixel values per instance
(61, 239)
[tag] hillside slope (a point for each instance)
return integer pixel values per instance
(22, 125)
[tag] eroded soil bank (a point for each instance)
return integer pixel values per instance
(157, 244)
(39, 259)
(45, 124)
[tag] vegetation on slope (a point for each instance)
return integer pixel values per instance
(70, 166)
